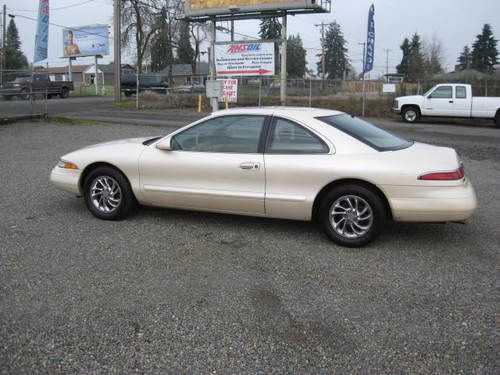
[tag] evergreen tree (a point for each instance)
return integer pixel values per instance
(185, 52)
(416, 59)
(465, 58)
(161, 46)
(270, 28)
(484, 51)
(402, 68)
(336, 61)
(14, 57)
(295, 57)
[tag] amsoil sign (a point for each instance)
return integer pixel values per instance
(244, 59)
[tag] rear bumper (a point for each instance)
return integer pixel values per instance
(66, 179)
(432, 203)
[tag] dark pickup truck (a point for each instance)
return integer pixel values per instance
(36, 83)
(149, 82)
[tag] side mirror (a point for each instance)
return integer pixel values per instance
(165, 144)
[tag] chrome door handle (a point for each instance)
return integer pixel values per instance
(250, 165)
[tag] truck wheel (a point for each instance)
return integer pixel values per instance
(25, 95)
(497, 119)
(410, 114)
(64, 93)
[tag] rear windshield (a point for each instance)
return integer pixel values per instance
(373, 136)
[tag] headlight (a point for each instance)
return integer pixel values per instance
(66, 164)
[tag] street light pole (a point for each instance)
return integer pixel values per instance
(4, 28)
(117, 49)
(364, 83)
(283, 62)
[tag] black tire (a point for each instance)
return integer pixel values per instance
(497, 119)
(365, 197)
(64, 93)
(410, 114)
(7, 97)
(25, 94)
(127, 201)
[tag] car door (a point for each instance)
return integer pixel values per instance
(216, 165)
(440, 102)
(292, 156)
(462, 104)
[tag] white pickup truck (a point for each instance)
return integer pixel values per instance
(448, 100)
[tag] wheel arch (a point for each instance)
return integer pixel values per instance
(416, 106)
(89, 168)
(346, 181)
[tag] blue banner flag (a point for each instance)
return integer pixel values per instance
(370, 41)
(42, 32)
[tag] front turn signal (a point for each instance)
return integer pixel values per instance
(66, 164)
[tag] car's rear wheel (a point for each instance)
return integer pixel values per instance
(497, 119)
(352, 215)
(410, 114)
(64, 93)
(108, 194)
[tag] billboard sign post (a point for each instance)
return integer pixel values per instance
(86, 41)
(244, 59)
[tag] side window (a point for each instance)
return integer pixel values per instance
(236, 134)
(460, 92)
(443, 92)
(290, 138)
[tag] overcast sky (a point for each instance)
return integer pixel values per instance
(454, 22)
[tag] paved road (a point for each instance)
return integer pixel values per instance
(183, 292)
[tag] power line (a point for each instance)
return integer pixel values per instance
(53, 9)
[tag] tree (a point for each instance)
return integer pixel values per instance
(402, 68)
(270, 28)
(295, 57)
(433, 56)
(185, 52)
(161, 46)
(140, 22)
(14, 57)
(484, 51)
(336, 61)
(412, 63)
(465, 58)
(416, 59)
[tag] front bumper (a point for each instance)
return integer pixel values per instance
(432, 203)
(395, 110)
(66, 179)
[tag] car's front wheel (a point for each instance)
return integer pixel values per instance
(352, 215)
(410, 114)
(108, 194)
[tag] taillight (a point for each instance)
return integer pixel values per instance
(444, 176)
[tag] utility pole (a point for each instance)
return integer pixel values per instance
(387, 50)
(323, 53)
(283, 62)
(2, 62)
(117, 49)
(364, 83)
(232, 30)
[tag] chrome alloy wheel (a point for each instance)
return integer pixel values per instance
(351, 216)
(105, 194)
(410, 115)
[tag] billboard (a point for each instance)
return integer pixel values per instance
(244, 59)
(86, 41)
(200, 8)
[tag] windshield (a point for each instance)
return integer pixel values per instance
(365, 132)
(22, 79)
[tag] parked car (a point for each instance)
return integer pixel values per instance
(283, 162)
(36, 83)
(448, 100)
(149, 82)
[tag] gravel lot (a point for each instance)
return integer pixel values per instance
(169, 291)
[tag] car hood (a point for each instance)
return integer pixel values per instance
(126, 141)
(409, 98)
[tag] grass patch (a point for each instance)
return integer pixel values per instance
(73, 121)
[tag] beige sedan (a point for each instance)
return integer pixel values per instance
(281, 162)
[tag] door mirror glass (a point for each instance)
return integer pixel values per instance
(165, 144)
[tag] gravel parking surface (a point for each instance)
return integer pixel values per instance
(169, 291)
